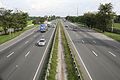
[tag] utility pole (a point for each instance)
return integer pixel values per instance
(112, 24)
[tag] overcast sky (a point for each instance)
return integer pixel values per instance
(57, 7)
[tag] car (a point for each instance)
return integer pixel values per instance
(53, 26)
(41, 42)
(75, 29)
(66, 26)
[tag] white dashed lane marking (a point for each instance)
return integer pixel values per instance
(27, 54)
(94, 53)
(10, 54)
(112, 54)
(83, 41)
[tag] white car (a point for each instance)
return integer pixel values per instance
(41, 42)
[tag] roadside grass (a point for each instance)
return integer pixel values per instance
(81, 25)
(113, 35)
(1, 29)
(110, 34)
(4, 38)
(116, 25)
(68, 58)
(54, 52)
(29, 22)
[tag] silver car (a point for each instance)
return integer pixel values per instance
(41, 42)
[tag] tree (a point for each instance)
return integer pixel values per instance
(117, 19)
(105, 15)
(19, 20)
(5, 19)
(72, 18)
(89, 19)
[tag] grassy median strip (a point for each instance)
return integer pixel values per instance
(54, 52)
(68, 58)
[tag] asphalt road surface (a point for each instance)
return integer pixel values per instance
(22, 60)
(100, 54)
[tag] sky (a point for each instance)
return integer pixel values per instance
(58, 7)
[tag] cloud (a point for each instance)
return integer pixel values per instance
(1, 5)
(57, 7)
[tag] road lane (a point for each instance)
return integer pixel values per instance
(31, 64)
(25, 52)
(102, 67)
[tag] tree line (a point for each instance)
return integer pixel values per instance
(102, 20)
(40, 20)
(16, 20)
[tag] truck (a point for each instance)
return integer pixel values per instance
(43, 28)
(49, 24)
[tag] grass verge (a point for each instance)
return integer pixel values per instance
(4, 38)
(72, 75)
(53, 64)
(110, 34)
(116, 25)
(29, 22)
(113, 35)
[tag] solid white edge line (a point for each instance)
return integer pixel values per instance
(94, 53)
(112, 54)
(10, 54)
(80, 57)
(27, 53)
(42, 58)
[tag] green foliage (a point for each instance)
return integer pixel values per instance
(4, 38)
(29, 22)
(103, 19)
(5, 19)
(106, 15)
(117, 19)
(116, 25)
(73, 18)
(113, 35)
(38, 20)
(10, 19)
(53, 64)
(89, 19)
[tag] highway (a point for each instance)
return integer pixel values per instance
(23, 60)
(100, 54)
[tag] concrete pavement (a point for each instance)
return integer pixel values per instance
(99, 55)
(20, 61)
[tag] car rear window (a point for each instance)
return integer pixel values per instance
(42, 40)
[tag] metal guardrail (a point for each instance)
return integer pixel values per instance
(80, 68)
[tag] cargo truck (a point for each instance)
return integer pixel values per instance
(43, 28)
